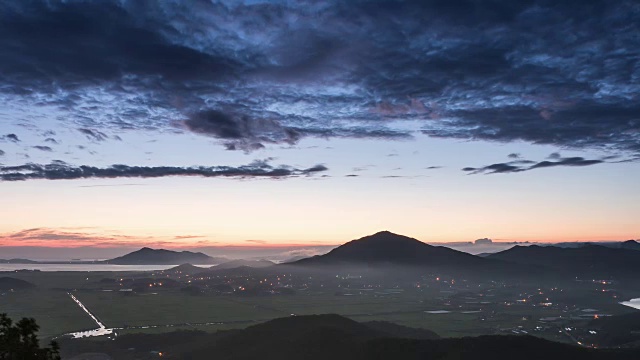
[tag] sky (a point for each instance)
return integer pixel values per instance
(305, 124)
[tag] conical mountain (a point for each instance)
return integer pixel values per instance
(387, 247)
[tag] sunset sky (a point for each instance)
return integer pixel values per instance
(270, 123)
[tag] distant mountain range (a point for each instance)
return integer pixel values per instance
(388, 248)
(17, 261)
(629, 244)
(392, 251)
(147, 256)
(587, 260)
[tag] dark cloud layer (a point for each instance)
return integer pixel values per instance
(74, 42)
(63, 171)
(255, 72)
(524, 165)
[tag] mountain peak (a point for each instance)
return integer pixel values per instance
(387, 236)
(390, 248)
(631, 245)
(384, 232)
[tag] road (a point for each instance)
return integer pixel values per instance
(100, 331)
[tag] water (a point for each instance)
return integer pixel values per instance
(87, 267)
(634, 303)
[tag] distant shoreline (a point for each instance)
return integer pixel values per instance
(88, 267)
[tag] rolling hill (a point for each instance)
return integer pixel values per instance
(630, 245)
(147, 256)
(8, 283)
(586, 260)
(17, 261)
(241, 262)
(186, 269)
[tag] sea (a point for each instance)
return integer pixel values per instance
(87, 267)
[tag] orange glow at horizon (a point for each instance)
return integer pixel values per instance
(194, 212)
(97, 241)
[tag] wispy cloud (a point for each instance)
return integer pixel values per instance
(95, 238)
(527, 165)
(50, 237)
(63, 171)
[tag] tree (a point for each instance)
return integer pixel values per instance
(19, 341)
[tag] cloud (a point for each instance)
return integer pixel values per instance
(94, 134)
(182, 237)
(253, 73)
(519, 166)
(241, 131)
(126, 45)
(297, 254)
(494, 169)
(62, 171)
(572, 161)
(10, 137)
(47, 234)
(110, 185)
(43, 148)
(86, 237)
(260, 242)
(50, 237)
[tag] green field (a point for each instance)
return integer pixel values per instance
(58, 314)
(166, 310)
(54, 311)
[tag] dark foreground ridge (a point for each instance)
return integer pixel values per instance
(333, 337)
